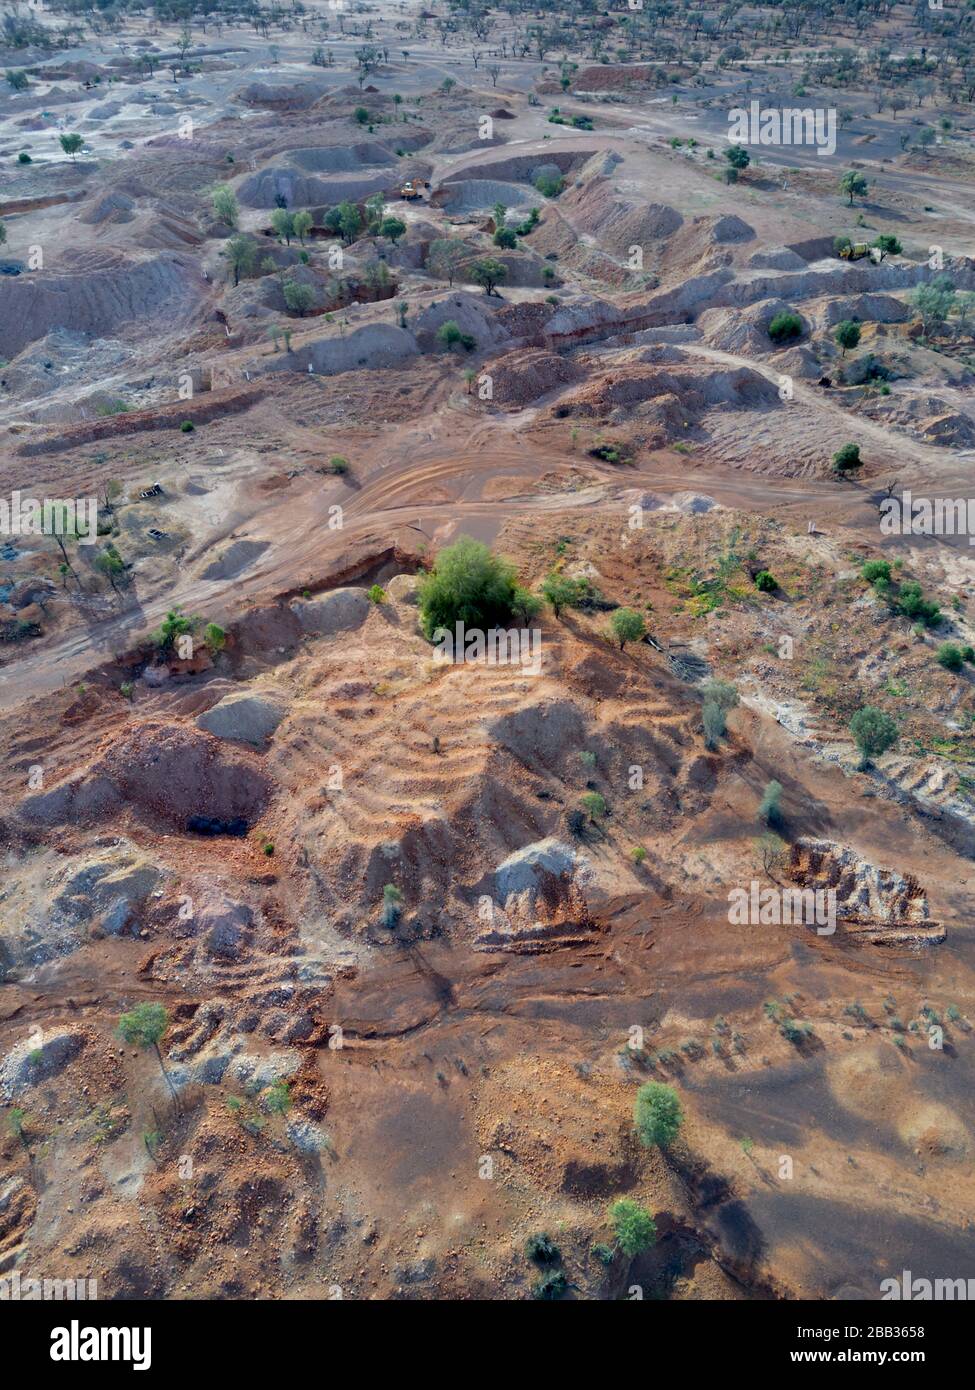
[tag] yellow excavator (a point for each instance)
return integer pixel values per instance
(855, 251)
(412, 188)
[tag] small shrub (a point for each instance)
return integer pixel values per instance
(392, 905)
(784, 328)
(847, 457)
(550, 1286)
(657, 1114)
(277, 1099)
(550, 185)
(950, 656)
(633, 1226)
(720, 693)
(542, 1249)
(714, 722)
(769, 810)
(187, 427)
(912, 603)
(874, 570)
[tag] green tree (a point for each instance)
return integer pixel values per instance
(657, 1114)
(375, 206)
(873, 732)
(225, 206)
(847, 334)
(468, 584)
(887, 245)
(559, 591)
(301, 224)
(241, 256)
(524, 606)
(349, 220)
(144, 1026)
(71, 144)
(934, 301)
(283, 224)
(854, 185)
(65, 529)
(17, 80)
(633, 1226)
(3, 234)
(298, 297)
(737, 156)
(964, 309)
(627, 626)
(174, 626)
(444, 257)
(488, 273)
(594, 804)
(506, 239)
(392, 228)
(111, 564)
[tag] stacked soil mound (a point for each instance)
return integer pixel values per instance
(619, 224)
(743, 331)
(696, 390)
(520, 378)
(98, 294)
(164, 773)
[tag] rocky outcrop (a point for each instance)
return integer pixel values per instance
(877, 905)
(37, 1058)
(341, 610)
(246, 716)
